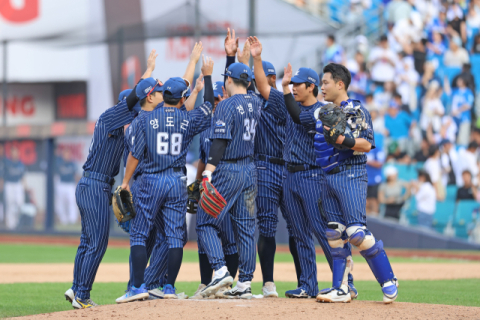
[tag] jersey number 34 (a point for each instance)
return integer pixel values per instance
(167, 144)
(249, 133)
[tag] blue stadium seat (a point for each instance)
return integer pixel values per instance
(471, 33)
(475, 62)
(408, 172)
(444, 213)
(451, 72)
(451, 193)
(409, 209)
(463, 216)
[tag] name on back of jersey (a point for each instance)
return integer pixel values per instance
(169, 122)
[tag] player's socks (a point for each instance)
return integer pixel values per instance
(139, 263)
(231, 261)
(293, 250)
(266, 254)
(205, 269)
(175, 256)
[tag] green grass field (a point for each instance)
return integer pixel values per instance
(34, 298)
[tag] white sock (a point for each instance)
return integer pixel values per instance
(244, 285)
(220, 272)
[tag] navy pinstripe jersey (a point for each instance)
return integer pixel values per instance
(14, 170)
(298, 147)
(270, 135)
(235, 119)
(205, 144)
(106, 148)
(163, 137)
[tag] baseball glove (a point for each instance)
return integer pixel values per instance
(193, 191)
(125, 226)
(211, 200)
(122, 205)
(335, 118)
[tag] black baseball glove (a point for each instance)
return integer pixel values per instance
(193, 191)
(333, 117)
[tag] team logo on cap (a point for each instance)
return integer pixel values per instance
(311, 79)
(147, 90)
(214, 86)
(271, 70)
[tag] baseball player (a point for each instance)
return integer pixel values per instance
(2, 184)
(65, 198)
(14, 187)
(230, 166)
(93, 193)
(345, 190)
(162, 139)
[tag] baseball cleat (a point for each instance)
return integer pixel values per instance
(221, 291)
(69, 295)
(134, 294)
(78, 303)
(390, 291)
(156, 293)
(197, 294)
(236, 293)
(216, 284)
(270, 290)
(169, 292)
(297, 293)
(334, 295)
(353, 290)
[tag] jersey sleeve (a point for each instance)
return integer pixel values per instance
(201, 117)
(307, 118)
(367, 134)
(138, 140)
(117, 116)
(222, 122)
(275, 104)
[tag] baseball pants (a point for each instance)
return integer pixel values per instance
(65, 205)
(15, 198)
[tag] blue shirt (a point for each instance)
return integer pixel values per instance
(162, 138)
(66, 171)
(14, 170)
(334, 54)
(235, 119)
(107, 144)
(375, 174)
(461, 97)
(270, 135)
(299, 138)
(399, 126)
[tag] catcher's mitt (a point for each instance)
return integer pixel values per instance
(335, 118)
(193, 191)
(122, 205)
(211, 200)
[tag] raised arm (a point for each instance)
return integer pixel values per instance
(260, 78)
(207, 70)
(132, 97)
(190, 103)
(231, 46)
(292, 106)
(194, 57)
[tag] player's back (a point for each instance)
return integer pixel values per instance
(235, 120)
(270, 134)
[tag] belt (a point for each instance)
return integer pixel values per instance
(248, 159)
(338, 169)
(274, 160)
(99, 177)
(300, 167)
(177, 169)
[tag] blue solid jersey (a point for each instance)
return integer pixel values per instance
(460, 98)
(107, 144)
(298, 147)
(66, 171)
(270, 134)
(163, 137)
(235, 120)
(14, 170)
(375, 174)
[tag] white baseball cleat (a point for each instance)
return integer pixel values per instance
(221, 291)
(390, 291)
(69, 295)
(217, 283)
(270, 290)
(334, 295)
(197, 294)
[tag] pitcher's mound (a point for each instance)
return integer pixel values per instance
(265, 309)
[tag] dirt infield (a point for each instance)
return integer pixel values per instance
(265, 309)
(118, 272)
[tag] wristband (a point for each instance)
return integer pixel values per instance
(348, 142)
(207, 175)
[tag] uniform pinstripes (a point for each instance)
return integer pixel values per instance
(93, 199)
(302, 194)
(237, 183)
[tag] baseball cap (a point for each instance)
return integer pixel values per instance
(390, 171)
(217, 89)
(176, 87)
(268, 68)
(306, 75)
(189, 92)
(146, 87)
(237, 69)
(124, 94)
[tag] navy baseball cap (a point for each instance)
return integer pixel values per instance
(235, 70)
(306, 75)
(268, 68)
(176, 87)
(124, 94)
(147, 86)
(217, 89)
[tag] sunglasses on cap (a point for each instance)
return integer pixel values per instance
(158, 83)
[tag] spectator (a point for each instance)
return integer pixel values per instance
(409, 29)
(383, 61)
(14, 187)
(393, 193)
(406, 80)
(358, 86)
(476, 44)
(333, 53)
(468, 162)
(370, 103)
(437, 46)
(396, 155)
(448, 160)
(425, 197)
(378, 121)
(434, 169)
(473, 17)
(467, 76)
(456, 56)
(353, 65)
(397, 102)
(467, 192)
(437, 24)
(462, 102)
(448, 131)
(375, 161)
(420, 55)
(456, 22)
(433, 109)
(385, 96)
(422, 154)
(398, 124)
(398, 10)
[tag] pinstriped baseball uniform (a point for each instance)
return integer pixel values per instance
(302, 188)
(235, 119)
(162, 140)
(93, 194)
